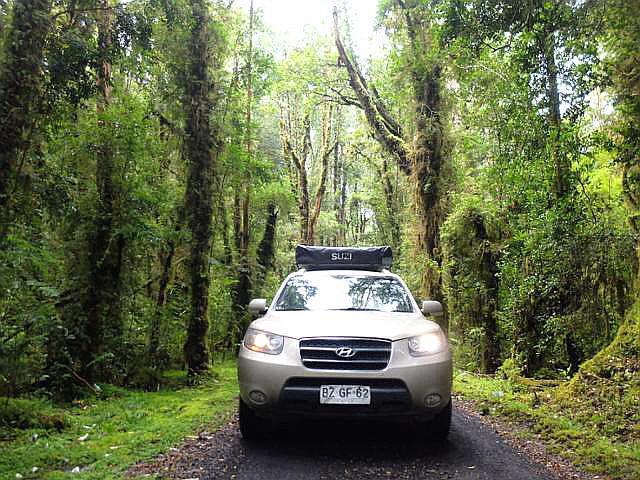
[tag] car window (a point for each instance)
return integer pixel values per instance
(344, 292)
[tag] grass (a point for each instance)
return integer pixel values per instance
(567, 430)
(102, 437)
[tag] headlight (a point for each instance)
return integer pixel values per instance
(263, 342)
(427, 344)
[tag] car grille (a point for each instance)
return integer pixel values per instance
(367, 353)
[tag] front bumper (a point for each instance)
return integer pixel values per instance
(289, 388)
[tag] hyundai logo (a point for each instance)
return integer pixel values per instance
(345, 352)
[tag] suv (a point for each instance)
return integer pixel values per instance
(344, 337)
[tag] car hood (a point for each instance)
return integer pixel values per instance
(337, 323)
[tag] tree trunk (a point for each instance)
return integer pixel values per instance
(392, 207)
(339, 193)
(166, 257)
(303, 208)
(237, 220)
(427, 162)
(298, 159)
(342, 211)
(228, 253)
(20, 81)
(244, 278)
(561, 164)
(490, 357)
(201, 149)
(266, 248)
(243, 288)
(102, 324)
(166, 261)
(327, 148)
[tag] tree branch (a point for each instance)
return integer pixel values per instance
(385, 128)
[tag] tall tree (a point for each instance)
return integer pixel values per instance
(297, 149)
(101, 317)
(202, 147)
(21, 74)
(266, 249)
(242, 292)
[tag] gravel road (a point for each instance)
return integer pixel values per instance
(345, 450)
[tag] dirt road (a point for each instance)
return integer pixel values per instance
(345, 450)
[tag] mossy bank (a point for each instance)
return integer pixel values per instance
(597, 437)
(98, 438)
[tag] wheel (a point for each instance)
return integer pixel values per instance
(440, 425)
(251, 426)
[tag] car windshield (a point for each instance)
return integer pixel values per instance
(344, 292)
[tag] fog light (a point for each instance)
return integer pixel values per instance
(432, 400)
(257, 396)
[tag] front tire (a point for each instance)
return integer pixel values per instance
(440, 425)
(251, 426)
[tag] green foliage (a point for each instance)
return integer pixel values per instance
(556, 307)
(30, 276)
(564, 279)
(24, 414)
(469, 238)
(609, 383)
(103, 437)
(560, 306)
(574, 427)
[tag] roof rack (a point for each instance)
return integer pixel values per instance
(313, 257)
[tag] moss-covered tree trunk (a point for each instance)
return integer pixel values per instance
(471, 284)
(297, 159)
(266, 248)
(243, 288)
(327, 147)
(427, 159)
(20, 81)
(101, 313)
(392, 207)
(201, 151)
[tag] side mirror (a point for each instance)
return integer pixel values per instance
(258, 306)
(431, 307)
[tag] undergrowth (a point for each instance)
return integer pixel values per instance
(99, 438)
(596, 432)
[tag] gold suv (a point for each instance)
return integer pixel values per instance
(344, 337)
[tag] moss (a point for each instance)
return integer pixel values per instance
(103, 437)
(470, 283)
(575, 420)
(609, 384)
(18, 413)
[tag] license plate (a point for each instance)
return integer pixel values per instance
(345, 394)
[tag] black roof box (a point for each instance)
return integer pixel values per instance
(312, 257)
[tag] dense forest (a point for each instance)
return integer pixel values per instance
(160, 160)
